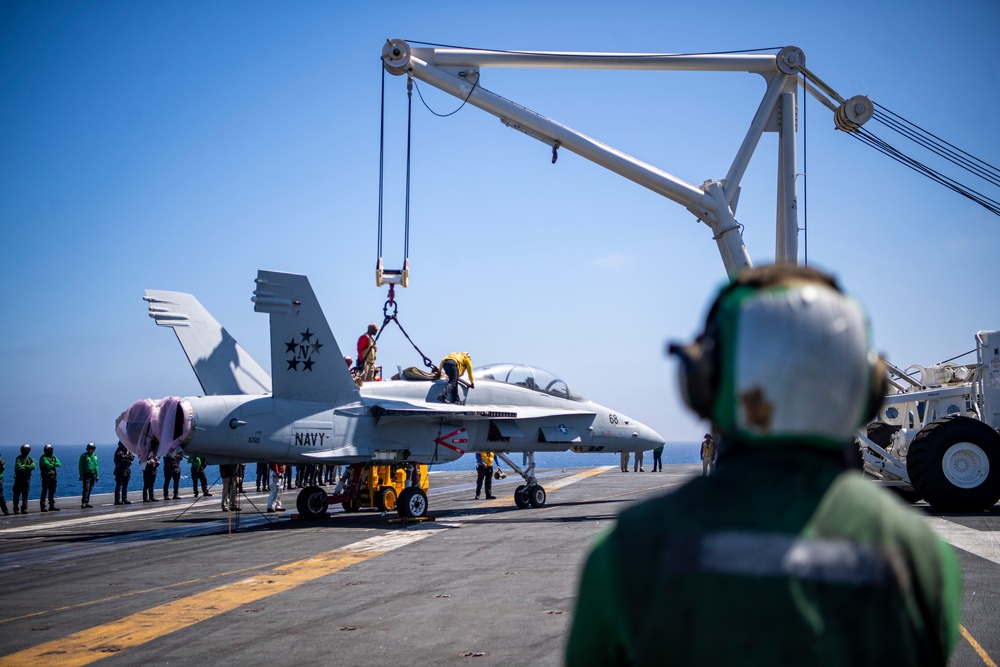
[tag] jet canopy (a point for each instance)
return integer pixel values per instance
(528, 377)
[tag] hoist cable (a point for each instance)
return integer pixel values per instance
(887, 149)
(450, 113)
(938, 149)
(393, 318)
(409, 134)
(624, 56)
(805, 186)
(982, 169)
(381, 165)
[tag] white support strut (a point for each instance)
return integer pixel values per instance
(456, 71)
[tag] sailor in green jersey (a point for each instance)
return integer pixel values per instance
(783, 557)
(24, 465)
(3, 500)
(89, 471)
(47, 464)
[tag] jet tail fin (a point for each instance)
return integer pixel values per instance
(221, 364)
(306, 362)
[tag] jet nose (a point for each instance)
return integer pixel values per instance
(647, 437)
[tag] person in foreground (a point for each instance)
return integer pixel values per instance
(783, 556)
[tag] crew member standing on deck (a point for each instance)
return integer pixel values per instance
(3, 501)
(198, 475)
(624, 458)
(454, 366)
(151, 463)
(637, 466)
(123, 473)
(276, 471)
(88, 473)
(24, 465)
(230, 486)
(366, 354)
(707, 455)
(484, 473)
(172, 473)
(47, 464)
(787, 548)
(658, 459)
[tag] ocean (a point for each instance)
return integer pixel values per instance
(68, 481)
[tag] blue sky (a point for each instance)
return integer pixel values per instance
(184, 145)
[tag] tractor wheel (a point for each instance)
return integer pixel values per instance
(312, 502)
(351, 505)
(412, 502)
(386, 499)
(954, 464)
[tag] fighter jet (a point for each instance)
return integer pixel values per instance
(311, 410)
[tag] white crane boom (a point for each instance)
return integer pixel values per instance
(456, 71)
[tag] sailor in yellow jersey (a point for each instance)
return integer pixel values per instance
(454, 365)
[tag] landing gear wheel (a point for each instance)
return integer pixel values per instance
(312, 503)
(536, 496)
(412, 502)
(954, 463)
(386, 500)
(351, 505)
(521, 497)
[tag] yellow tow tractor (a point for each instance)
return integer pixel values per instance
(384, 487)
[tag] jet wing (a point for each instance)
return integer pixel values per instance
(403, 410)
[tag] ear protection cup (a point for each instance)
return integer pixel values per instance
(698, 373)
(699, 370)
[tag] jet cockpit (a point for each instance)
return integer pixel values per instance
(529, 377)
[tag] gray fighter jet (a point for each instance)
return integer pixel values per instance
(311, 410)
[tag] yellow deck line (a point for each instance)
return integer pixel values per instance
(88, 646)
(976, 647)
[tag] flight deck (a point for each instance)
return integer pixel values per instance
(480, 582)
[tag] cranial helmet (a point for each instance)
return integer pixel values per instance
(91, 445)
(785, 358)
(25, 448)
(372, 328)
(47, 448)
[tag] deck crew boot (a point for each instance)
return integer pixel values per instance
(43, 506)
(53, 508)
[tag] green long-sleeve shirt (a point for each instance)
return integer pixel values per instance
(47, 464)
(23, 466)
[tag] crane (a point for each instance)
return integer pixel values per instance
(457, 71)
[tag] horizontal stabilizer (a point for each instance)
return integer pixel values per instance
(306, 362)
(222, 365)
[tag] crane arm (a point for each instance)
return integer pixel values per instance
(456, 71)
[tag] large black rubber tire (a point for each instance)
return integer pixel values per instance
(412, 502)
(536, 495)
(521, 497)
(312, 502)
(954, 464)
(352, 505)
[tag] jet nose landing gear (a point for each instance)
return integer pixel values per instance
(530, 494)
